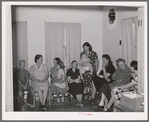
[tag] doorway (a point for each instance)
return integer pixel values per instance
(62, 40)
(19, 51)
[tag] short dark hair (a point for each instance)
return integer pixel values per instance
(120, 60)
(134, 64)
(74, 61)
(88, 45)
(57, 59)
(61, 64)
(106, 56)
(37, 57)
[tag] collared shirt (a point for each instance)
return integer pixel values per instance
(39, 73)
(122, 77)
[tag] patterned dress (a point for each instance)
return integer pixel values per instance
(60, 86)
(87, 77)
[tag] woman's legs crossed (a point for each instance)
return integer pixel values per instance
(111, 101)
(102, 100)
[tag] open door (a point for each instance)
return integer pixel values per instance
(62, 40)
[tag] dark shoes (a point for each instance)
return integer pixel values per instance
(97, 107)
(43, 107)
(108, 110)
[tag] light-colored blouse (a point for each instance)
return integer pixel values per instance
(39, 73)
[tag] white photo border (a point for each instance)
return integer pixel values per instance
(70, 115)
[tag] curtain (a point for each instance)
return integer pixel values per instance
(129, 39)
(19, 43)
(54, 36)
(73, 42)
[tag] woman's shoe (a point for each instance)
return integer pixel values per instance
(100, 108)
(44, 108)
(108, 110)
(97, 107)
(81, 105)
(41, 106)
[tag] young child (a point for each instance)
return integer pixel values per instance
(60, 86)
(23, 80)
(85, 65)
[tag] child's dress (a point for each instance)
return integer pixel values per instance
(61, 86)
(85, 65)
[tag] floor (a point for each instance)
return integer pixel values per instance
(68, 106)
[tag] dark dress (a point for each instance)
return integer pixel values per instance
(87, 77)
(101, 84)
(74, 88)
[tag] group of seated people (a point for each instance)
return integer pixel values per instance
(81, 80)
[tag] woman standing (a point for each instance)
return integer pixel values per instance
(39, 77)
(75, 84)
(87, 77)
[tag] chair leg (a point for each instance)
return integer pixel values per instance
(49, 100)
(69, 97)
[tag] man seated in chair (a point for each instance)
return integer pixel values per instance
(23, 80)
(133, 85)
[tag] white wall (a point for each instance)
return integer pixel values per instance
(89, 17)
(111, 33)
(95, 28)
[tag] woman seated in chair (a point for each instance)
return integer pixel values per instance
(75, 84)
(122, 80)
(39, 75)
(101, 82)
(60, 85)
(53, 75)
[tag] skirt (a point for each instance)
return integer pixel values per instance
(40, 86)
(75, 89)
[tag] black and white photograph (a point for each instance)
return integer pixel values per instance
(74, 60)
